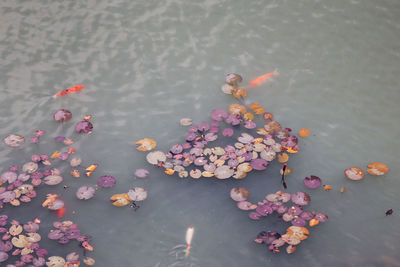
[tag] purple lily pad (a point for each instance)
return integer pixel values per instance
(3, 256)
(306, 215)
(9, 177)
(176, 149)
(299, 222)
(7, 196)
(301, 198)
(227, 132)
(31, 227)
(259, 164)
(264, 210)
(62, 115)
(141, 173)
(219, 114)
(55, 234)
(267, 237)
(254, 215)
(295, 210)
(73, 233)
(84, 127)
(313, 182)
(56, 204)
(34, 140)
(106, 181)
(63, 156)
(59, 139)
(321, 217)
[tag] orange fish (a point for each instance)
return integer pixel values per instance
(60, 212)
(76, 88)
(257, 81)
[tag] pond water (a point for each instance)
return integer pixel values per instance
(147, 64)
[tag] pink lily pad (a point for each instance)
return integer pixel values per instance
(85, 192)
(137, 194)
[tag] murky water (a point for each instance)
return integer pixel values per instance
(146, 64)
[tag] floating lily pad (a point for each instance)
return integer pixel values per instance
(137, 194)
(14, 140)
(85, 192)
(62, 115)
(313, 182)
(106, 181)
(53, 179)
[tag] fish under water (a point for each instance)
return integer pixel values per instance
(189, 236)
(75, 88)
(259, 80)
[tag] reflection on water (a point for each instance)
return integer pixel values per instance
(147, 64)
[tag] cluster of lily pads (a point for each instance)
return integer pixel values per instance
(292, 213)
(131, 197)
(22, 240)
(65, 232)
(248, 151)
(18, 184)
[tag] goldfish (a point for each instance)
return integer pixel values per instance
(60, 212)
(257, 81)
(189, 236)
(75, 88)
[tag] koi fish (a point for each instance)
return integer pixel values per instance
(61, 212)
(76, 88)
(283, 176)
(189, 236)
(257, 81)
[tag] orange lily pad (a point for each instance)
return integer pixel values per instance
(303, 132)
(236, 109)
(254, 105)
(169, 171)
(248, 116)
(120, 200)
(377, 168)
(146, 144)
(313, 222)
(282, 158)
(239, 92)
(291, 150)
(259, 110)
(91, 168)
(56, 154)
(327, 188)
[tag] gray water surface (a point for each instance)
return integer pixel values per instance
(147, 64)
